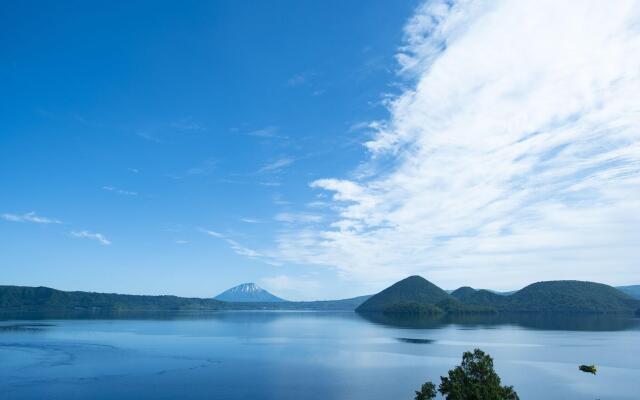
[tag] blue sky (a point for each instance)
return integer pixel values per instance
(320, 149)
(197, 114)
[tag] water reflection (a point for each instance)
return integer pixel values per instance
(240, 317)
(415, 340)
(24, 327)
(596, 323)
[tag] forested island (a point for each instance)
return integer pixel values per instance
(416, 295)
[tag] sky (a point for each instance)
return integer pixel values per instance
(320, 149)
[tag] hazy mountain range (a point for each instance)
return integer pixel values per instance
(633, 290)
(411, 295)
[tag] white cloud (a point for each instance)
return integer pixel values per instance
(301, 79)
(358, 126)
(234, 245)
(250, 220)
(242, 250)
(513, 157)
(93, 236)
(211, 233)
(269, 132)
(30, 217)
(270, 184)
(298, 217)
(277, 165)
(119, 191)
(205, 167)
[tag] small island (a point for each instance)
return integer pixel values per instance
(416, 295)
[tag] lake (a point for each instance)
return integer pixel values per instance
(307, 355)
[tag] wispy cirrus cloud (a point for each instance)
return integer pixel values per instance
(513, 156)
(91, 235)
(277, 165)
(298, 217)
(270, 132)
(30, 217)
(211, 233)
(205, 167)
(119, 191)
(301, 79)
(234, 245)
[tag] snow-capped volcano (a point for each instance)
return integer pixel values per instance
(247, 292)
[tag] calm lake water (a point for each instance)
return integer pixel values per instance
(307, 355)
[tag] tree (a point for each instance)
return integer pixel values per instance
(427, 392)
(473, 379)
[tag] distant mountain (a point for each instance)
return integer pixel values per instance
(317, 305)
(248, 293)
(413, 294)
(22, 298)
(43, 299)
(344, 304)
(574, 297)
(481, 297)
(633, 290)
(489, 290)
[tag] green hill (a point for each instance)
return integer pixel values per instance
(416, 295)
(480, 297)
(21, 298)
(411, 292)
(43, 299)
(571, 297)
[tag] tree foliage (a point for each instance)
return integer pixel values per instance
(427, 392)
(473, 379)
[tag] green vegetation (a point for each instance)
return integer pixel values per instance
(588, 368)
(480, 297)
(412, 290)
(411, 296)
(569, 297)
(43, 299)
(19, 298)
(572, 297)
(417, 296)
(453, 306)
(426, 392)
(473, 379)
